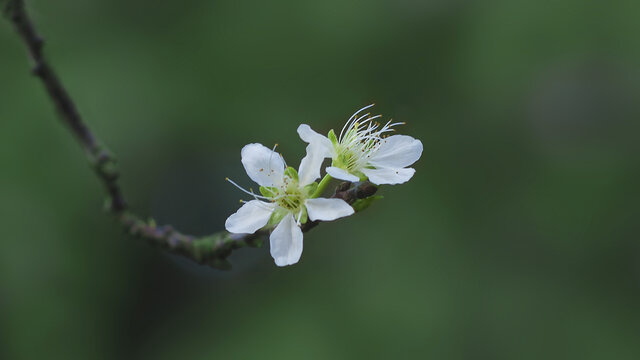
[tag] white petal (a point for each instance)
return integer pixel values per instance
(286, 242)
(327, 209)
(250, 217)
(263, 165)
(341, 174)
(389, 176)
(397, 151)
(310, 164)
(309, 136)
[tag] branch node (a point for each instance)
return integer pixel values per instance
(103, 157)
(365, 190)
(38, 70)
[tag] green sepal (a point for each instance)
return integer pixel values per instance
(332, 137)
(304, 217)
(340, 160)
(277, 216)
(362, 204)
(269, 192)
(292, 173)
(310, 189)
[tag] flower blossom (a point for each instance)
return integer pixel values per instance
(363, 150)
(286, 202)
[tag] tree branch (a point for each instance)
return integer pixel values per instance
(211, 250)
(102, 161)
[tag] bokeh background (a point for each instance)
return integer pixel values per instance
(516, 239)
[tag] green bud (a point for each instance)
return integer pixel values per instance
(362, 204)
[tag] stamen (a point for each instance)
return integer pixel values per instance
(246, 191)
(270, 157)
(346, 125)
(361, 137)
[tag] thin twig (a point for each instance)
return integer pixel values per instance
(103, 162)
(212, 250)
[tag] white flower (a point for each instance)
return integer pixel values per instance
(285, 202)
(362, 150)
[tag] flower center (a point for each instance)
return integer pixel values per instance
(359, 139)
(351, 158)
(289, 195)
(290, 202)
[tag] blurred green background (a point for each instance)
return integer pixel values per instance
(516, 239)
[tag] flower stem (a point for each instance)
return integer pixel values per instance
(321, 186)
